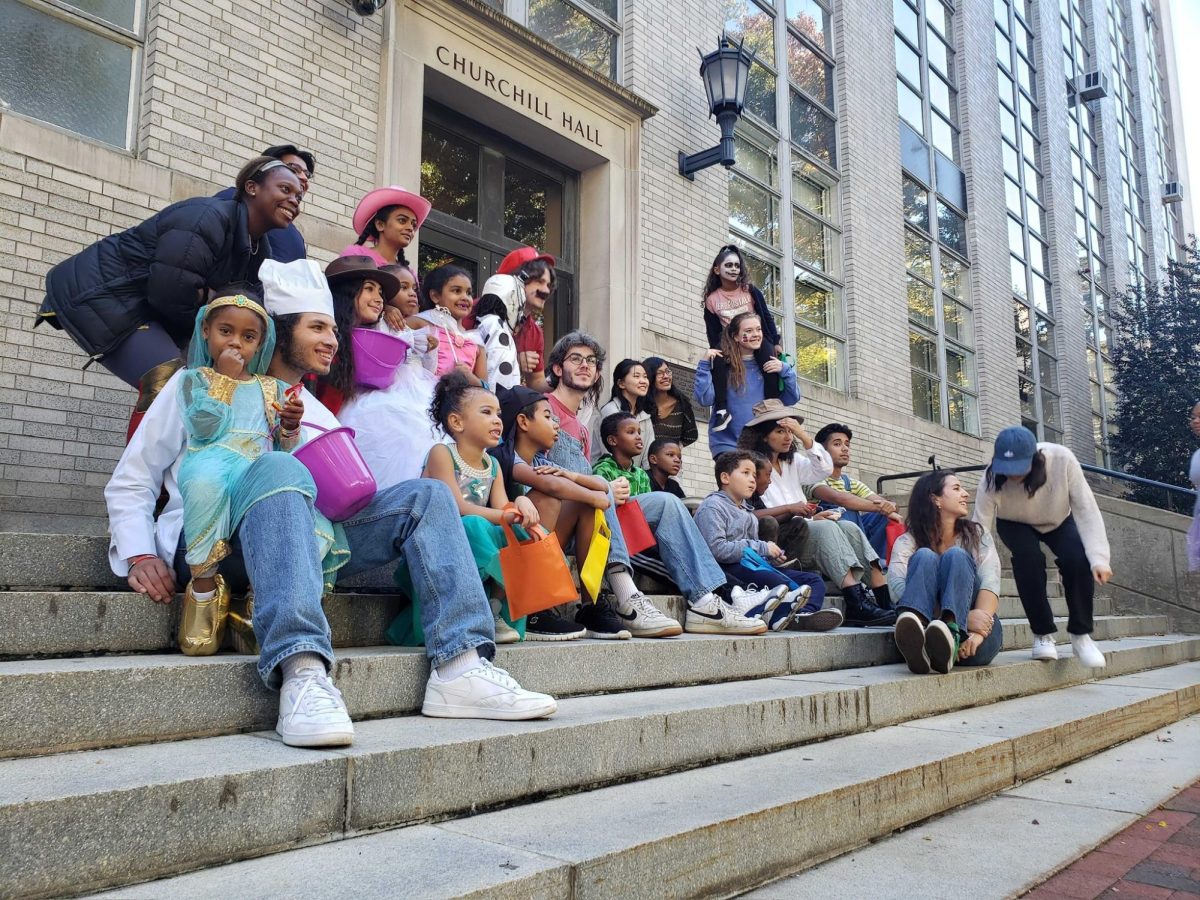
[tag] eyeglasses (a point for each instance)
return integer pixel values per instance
(301, 170)
(578, 359)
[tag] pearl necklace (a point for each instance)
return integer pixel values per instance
(467, 468)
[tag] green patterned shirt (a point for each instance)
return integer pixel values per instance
(639, 479)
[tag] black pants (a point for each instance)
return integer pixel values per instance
(720, 378)
(1029, 569)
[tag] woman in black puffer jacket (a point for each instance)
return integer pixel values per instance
(130, 300)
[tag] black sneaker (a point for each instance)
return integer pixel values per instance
(602, 622)
(546, 626)
(721, 420)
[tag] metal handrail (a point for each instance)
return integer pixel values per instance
(1095, 470)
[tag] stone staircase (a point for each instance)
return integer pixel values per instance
(695, 766)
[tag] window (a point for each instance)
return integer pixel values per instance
(941, 322)
(589, 30)
(788, 227)
(74, 66)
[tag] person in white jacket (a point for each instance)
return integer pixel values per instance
(417, 520)
(1033, 494)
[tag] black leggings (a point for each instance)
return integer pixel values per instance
(720, 378)
(1029, 570)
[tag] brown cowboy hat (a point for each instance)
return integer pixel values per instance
(345, 268)
(773, 411)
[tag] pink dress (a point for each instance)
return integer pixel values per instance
(365, 250)
(455, 346)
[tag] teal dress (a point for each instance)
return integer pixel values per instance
(235, 459)
(485, 539)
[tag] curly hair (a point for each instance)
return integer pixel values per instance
(448, 396)
(563, 346)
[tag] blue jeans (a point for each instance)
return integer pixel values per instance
(681, 546)
(417, 519)
(949, 582)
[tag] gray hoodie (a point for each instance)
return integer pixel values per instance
(728, 528)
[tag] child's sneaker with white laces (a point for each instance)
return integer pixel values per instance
(1086, 651)
(484, 692)
(712, 615)
(1044, 647)
(753, 602)
(645, 620)
(312, 712)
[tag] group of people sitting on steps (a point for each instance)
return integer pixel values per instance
(474, 427)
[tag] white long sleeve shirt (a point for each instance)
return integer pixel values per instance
(151, 463)
(806, 467)
(1065, 493)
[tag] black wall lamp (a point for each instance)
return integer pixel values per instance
(726, 73)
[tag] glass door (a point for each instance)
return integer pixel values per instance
(491, 195)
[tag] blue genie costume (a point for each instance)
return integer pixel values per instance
(236, 456)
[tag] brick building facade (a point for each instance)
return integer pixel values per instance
(900, 251)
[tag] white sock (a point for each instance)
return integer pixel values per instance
(457, 665)
(621, 582)
(298, 662)
(203, 596)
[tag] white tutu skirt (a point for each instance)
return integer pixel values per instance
(392, 427)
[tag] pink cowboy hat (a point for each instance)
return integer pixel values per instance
(370, 205)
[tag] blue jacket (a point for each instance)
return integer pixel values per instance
(741, 402)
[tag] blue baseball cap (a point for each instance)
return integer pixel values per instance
(1014, 451)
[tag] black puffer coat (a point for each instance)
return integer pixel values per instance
(158, 271)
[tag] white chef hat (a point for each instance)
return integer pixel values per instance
(295, 287)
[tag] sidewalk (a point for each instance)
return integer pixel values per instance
(1157, 857)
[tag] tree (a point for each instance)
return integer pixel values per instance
(1156, 357)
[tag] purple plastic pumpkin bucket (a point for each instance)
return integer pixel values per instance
(344, 482)
(377, 355)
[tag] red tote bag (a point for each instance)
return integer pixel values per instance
(634, 527)
(894, 530)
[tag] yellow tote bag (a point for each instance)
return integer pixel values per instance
(591, 573)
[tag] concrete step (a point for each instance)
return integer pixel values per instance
(61, 623)
(116, 700)
(1047, 824)
(709, 831)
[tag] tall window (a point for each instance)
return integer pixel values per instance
(589, 30)
(1124, 106)
(74, 64)
(1091, 256)
(1163, 156)
(941, 324)
(783, 193)
(1033, 305)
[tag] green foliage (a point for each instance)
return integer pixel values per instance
(1156, 357)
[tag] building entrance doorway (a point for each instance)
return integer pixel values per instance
(491, 195)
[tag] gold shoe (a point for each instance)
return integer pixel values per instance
(241, 628)
(202, 625)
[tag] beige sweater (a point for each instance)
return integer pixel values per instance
(1065, 493)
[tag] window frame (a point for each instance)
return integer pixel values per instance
(518, 11)
(133, 39)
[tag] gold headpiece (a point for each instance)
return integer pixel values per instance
(236, 300)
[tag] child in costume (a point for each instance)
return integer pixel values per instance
(729, 293)
(234, 415)
(392, 426)
(447, 301)
(470, 417)
(498, 306)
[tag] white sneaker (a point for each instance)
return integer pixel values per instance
(312, 712)
(484, 692)
(767, 599)
(643, 619)
(711, 615)
(505, 633)
(1044, 647)
(1086, 651)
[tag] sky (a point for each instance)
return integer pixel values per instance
(1185, 16)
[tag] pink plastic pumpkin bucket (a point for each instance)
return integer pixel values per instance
(344, 482)
(377, 355)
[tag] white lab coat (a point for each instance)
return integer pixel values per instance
(151, 463)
